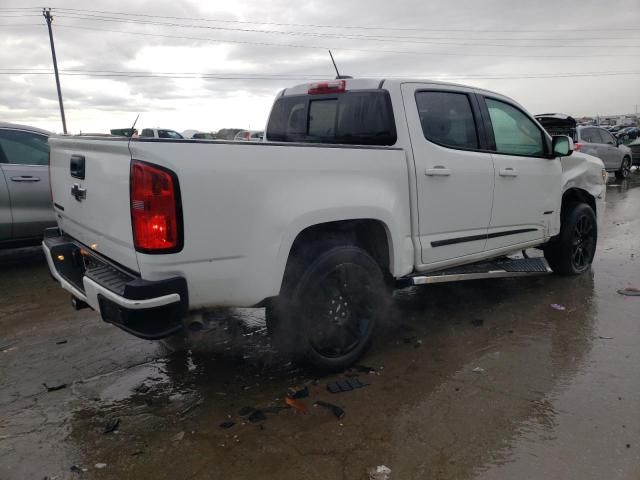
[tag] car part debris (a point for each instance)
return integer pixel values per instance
(381, 472)
(630, 291)
(557, 306)
(336, 410)
(257, 416)
(227, 424)
(112, 425)
(298, 391)
(54, 385)
(345, 385)
(296, 404)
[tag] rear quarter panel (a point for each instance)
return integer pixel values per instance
(244, 204)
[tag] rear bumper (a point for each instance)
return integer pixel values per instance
(146, 309)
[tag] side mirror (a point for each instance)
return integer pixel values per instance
(561, 146)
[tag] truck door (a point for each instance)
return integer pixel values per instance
(528, 184)
(454, 177)
(25, 156)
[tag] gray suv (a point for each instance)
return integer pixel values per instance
(600, 143)
(25, 201)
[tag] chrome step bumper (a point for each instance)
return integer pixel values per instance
(503, 268)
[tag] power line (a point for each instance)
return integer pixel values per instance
(218, 76)
(384, 39)
(337, 48)
(357, 27)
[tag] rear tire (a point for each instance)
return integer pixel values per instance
(329, 306)
(572, 252)
(625, 169)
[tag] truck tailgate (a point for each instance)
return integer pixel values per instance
(90, 189)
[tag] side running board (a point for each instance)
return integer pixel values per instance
(502, 268)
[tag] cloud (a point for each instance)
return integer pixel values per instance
(98, 103)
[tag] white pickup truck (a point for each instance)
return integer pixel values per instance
(361, 185)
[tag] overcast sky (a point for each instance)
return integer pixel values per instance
(587, 53)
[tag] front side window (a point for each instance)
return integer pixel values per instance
(352, 117)
(147, 132)
(514, 132)
(447, 119)
(23, 148)
(606, 137)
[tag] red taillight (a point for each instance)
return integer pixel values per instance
(247, 136)
(337, 86)
(155, 213)
(577, 146)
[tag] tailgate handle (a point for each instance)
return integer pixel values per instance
(76, 166)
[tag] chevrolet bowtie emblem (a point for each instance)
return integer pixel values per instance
(78, 193)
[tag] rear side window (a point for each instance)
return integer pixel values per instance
(514, 132)
(591, 135)
(447, 119)
(23, 148)
(353, 117)
(147, 132)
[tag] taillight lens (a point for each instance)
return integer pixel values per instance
(155, 210)
(577, 146)
(337, 86)
(247, 136)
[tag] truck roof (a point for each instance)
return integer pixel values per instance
(374, 83)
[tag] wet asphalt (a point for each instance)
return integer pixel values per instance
(477, 380)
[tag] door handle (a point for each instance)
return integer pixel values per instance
(437, 171)
(508, 172)
(25, 178)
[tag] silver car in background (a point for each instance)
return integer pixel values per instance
(25, 201)
(600, 143)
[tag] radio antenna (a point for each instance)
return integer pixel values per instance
(338, 76)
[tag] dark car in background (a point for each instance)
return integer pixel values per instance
(25, 200)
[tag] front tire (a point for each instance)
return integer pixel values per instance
(625, 169)
(329, 307)
(572, 252)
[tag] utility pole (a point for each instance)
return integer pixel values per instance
(46, 13)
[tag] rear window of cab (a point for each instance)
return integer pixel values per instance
(357, 117)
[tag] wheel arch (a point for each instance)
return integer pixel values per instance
(370, 234)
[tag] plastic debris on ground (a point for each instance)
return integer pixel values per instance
(100, 466)
(345, 385)
(381, 472)
(336, 410)
(478, 370)
(557, 306)
(630, 292)
(54, 385)
(296, 404)
(298, 391)
(111, 425)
